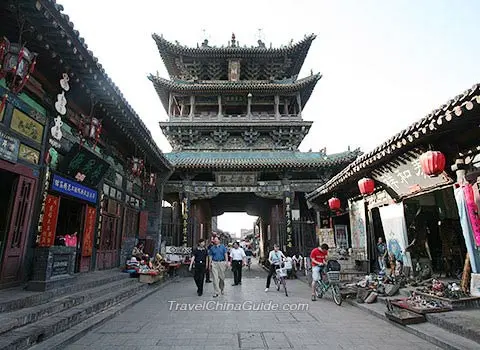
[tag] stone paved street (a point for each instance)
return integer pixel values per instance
(155, 324)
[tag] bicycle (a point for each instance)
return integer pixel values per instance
(322, 286)
(280, 278)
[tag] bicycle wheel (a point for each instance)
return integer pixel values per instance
(337, 297)
(319, 290)
(285, 286)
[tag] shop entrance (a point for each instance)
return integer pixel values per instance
(15, 213)
(71, 216)
(109, 250)
(377, 233)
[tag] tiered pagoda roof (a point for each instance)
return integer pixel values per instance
(293, 54)
(258, 160)
(305, 86)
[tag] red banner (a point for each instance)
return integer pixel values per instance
(89, 230)
(49, 224)
(142, 224)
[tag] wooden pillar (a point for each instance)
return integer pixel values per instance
(182, 107)
(192, 106)
(277, 104)
(285, 107)
(219, 105)
(299, 103)
(249, 104)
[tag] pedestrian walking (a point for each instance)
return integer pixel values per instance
(238, 260)
(208, 270)
(199, 258)
(218, 265)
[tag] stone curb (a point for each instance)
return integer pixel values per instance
(412, 329)
(69, 336)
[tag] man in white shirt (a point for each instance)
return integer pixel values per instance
(238, 257)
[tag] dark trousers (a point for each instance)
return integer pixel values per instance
(199, 277)
(207, 275)
(237, 271)
(271, 272)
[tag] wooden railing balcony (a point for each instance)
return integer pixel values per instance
(256, 117)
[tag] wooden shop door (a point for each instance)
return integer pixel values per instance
(18, 229)
(108, 253)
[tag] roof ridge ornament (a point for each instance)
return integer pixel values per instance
(233, 43)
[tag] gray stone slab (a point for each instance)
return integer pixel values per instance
(251, 340)
(276, 340)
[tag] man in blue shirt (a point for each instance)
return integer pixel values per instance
(218, 265)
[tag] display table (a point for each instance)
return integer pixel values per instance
(150, 277)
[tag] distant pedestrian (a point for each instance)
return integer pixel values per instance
(238, 260)
(381, 254)
(199, 258)
(219, 259)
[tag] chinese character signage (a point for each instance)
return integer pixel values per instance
(288, 218)
(9, 147)
(185, 212)
(233, 179)
(73, 189)
(81, 160)
(407, 177)
(49, 224)
(90, 217)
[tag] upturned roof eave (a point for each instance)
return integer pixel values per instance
(170, 51)
(458, 108)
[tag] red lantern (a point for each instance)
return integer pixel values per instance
(17, 63)
(432, 162)
(334, 203)
(366, 186)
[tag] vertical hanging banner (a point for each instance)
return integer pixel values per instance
(395, 229)
(288, 219)
(90, 217)
(358, 226)
(49, 224)
(185, 215)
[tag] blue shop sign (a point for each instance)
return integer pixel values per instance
(73, 189)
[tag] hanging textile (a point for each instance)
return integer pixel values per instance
(358, 224)
(395, 229)
(467, 228)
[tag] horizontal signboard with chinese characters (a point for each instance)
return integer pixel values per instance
(73, 189)
(8, 147)
(234, 179)
(405, 176)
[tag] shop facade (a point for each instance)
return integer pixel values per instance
(22, 134)
(422, 195)
(75, 159)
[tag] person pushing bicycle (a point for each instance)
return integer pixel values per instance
(275, 258)
(318, 256)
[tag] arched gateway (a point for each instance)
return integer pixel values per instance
(235, 125)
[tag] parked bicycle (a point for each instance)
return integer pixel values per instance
(331, 282)
(280, 278)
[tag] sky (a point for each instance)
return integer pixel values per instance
(385, 64)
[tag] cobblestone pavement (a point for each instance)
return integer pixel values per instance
(162, 321)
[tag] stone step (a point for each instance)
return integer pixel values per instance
(22, 317)
(463, 322)
(16, 298)
(63, 339)
(33, 333)
(427, 331)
